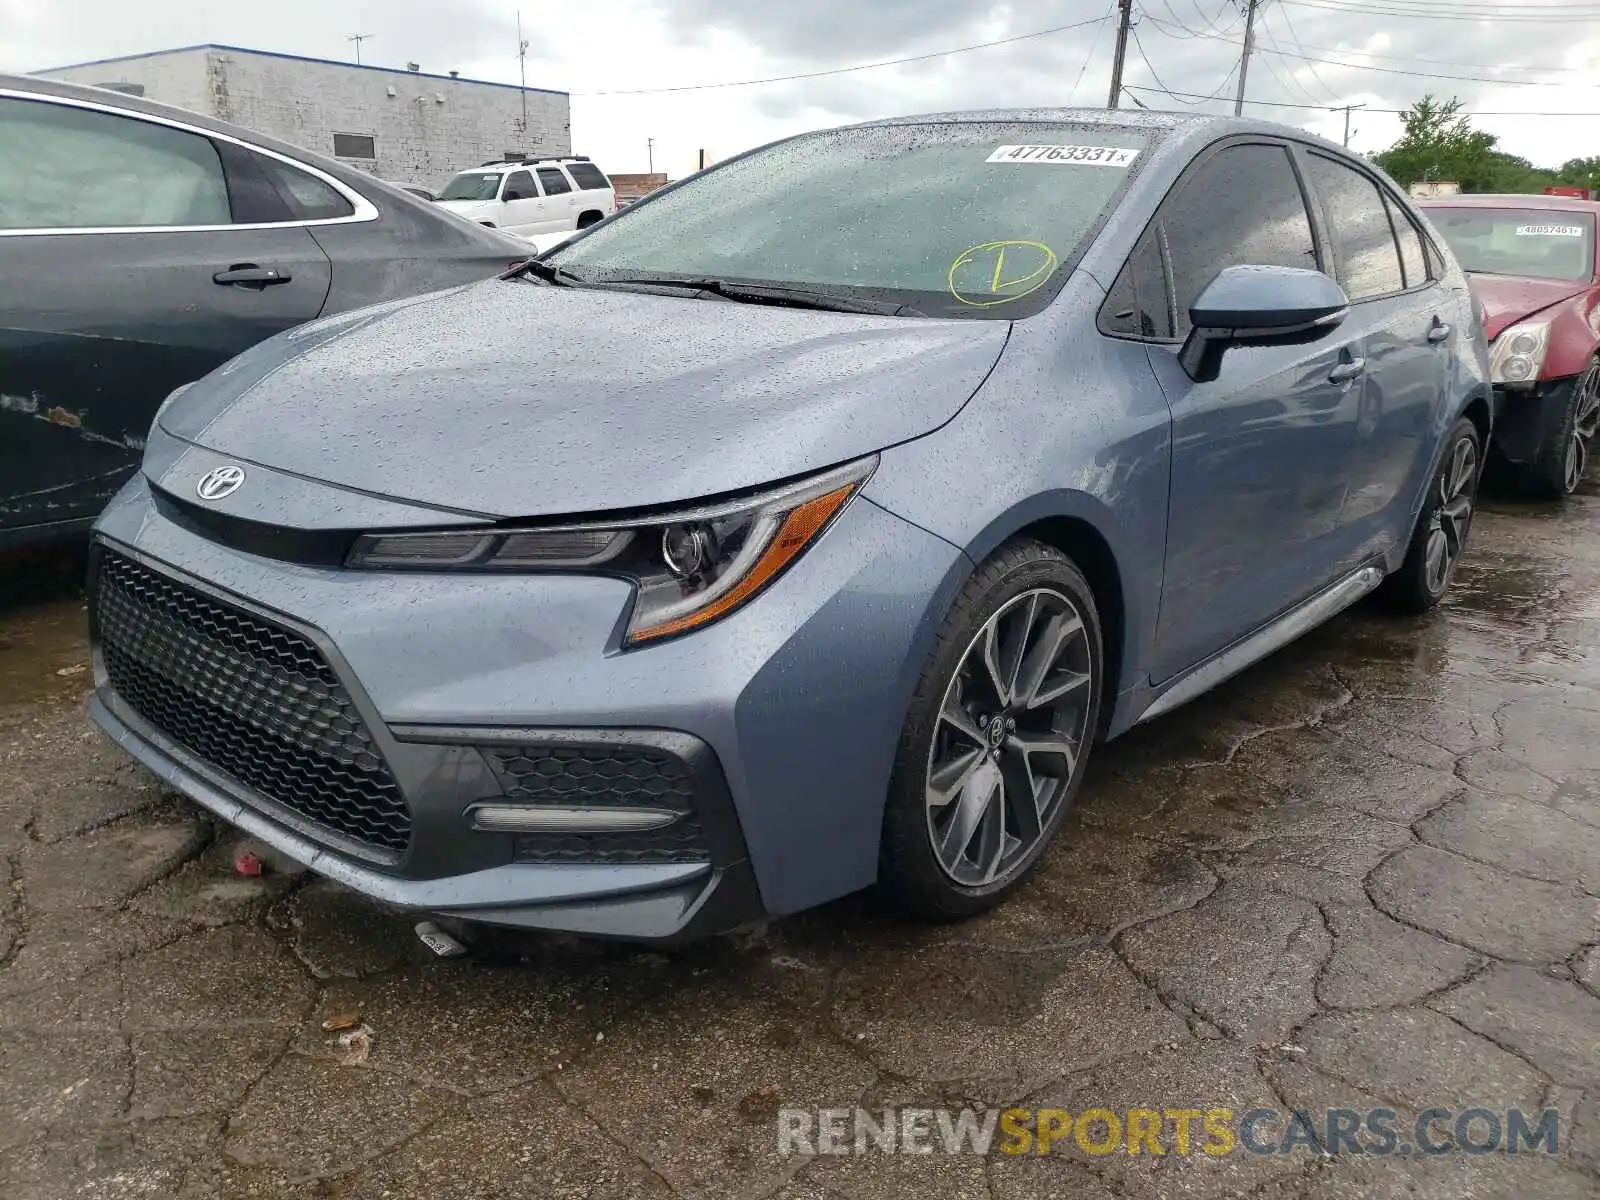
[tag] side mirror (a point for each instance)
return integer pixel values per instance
(1259, 306)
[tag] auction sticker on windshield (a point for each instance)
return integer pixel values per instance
(1070, 156)
(1549, 230)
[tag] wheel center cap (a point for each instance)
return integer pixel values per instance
(997, 732)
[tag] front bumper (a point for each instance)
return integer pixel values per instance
(1526, 419)
(784, 716)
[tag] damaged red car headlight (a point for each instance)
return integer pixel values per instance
(1517, 355)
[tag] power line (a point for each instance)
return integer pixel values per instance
(1100, 27)
(1294, 36)
(1352, 66)
(871, 66)
(1392, 111)
(1149, 66)
(1161, 26)
(1293, 83)
(1455, 13)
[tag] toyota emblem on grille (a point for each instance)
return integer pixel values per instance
(219, 482)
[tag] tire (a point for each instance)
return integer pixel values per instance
(590, 218)
(1564, 455)
(1030, 596)
(1442, 526)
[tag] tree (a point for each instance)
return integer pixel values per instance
(1439, 142)
(1580, 172)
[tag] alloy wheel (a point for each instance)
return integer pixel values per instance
(1010, 732)
(1584, 423)
(1448, 535)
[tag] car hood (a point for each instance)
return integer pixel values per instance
(515, 399)
(465, 208)
(1507, 299)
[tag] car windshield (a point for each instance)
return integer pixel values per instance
(472, 185)
(953, 219)
(1543, 243)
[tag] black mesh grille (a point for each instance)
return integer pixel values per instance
(252, 698)
(603, 777)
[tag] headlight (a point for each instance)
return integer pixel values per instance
(690, 567)
(1518, 353)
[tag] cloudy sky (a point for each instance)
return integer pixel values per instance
(1527, 57)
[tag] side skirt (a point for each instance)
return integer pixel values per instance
(1283, 630)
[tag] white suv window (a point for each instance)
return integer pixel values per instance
(588, 177)
(63, 167)
(554, 181)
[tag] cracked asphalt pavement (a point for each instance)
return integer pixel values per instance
(1365, 873)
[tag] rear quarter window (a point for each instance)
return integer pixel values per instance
(588, 177)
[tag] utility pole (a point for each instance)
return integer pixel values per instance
(358, 38)
(1347, 110)
(1124, 19)
(522, 72)
(1244, 58)
(650, 153)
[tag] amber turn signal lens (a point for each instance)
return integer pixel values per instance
(799, 528)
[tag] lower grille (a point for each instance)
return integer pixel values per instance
(603, 777)
(247, 696)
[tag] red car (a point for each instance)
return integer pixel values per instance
(1533, 265)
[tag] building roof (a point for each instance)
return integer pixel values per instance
(332, 62)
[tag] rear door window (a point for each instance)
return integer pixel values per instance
(555, 183)
(1363, 239)
(1412, 258)
(588, 177)
(1242, 207)
(308, 197)
(63, 167)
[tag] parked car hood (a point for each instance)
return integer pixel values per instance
(1507, 299)
(515, 399)
(466, 208)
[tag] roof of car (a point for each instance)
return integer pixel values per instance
(1141, 118)
(1509, 200)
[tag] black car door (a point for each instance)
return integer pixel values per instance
(137, 255)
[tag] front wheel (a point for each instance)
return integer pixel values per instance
(1564, 456)
(1440, 537)
(997, 736)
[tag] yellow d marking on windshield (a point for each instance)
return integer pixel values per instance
(1001, 272)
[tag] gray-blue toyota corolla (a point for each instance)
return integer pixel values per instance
(801, 528)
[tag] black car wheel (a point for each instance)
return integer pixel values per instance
(1564, 456)
(1440, 537)
(997, 736)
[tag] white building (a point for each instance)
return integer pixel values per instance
(404, 126)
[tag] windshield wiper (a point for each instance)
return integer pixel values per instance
(548, 272)
(764, 293)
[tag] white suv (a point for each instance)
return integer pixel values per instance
(532, 195)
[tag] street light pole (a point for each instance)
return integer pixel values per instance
(522, 73)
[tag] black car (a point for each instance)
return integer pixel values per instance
(142, 245)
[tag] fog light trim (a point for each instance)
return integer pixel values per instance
(545, 818)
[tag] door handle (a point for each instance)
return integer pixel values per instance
(1438, 331)
(251, 276)
(1347, 370)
